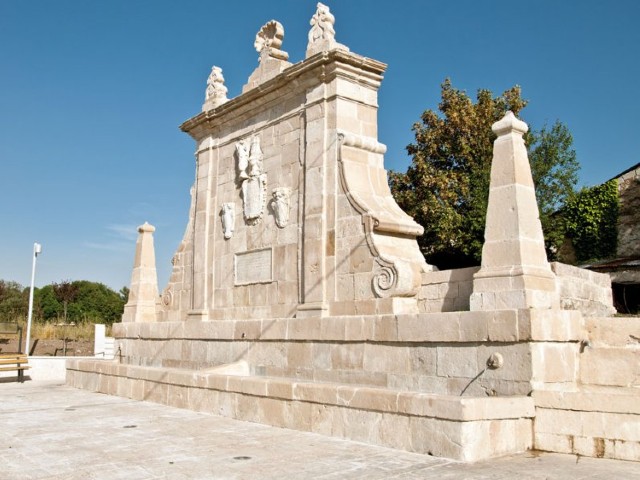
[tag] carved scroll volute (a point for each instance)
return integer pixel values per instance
(228, 215)
(397, 279)
(281, 205)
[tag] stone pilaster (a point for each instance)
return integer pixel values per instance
(143, 294)
(514, 272)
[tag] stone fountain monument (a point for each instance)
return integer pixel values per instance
(299, 297)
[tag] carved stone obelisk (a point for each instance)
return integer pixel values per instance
(514, 272)
(143, 295)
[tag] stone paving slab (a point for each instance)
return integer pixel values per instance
(52, 431)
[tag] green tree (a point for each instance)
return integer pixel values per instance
(446, 187)
(65, 292)
(97, 302)
(46, 304)
(591, 219)
(555, 172)
(14, 301)
(124, 294)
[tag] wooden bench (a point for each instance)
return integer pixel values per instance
(14, 362)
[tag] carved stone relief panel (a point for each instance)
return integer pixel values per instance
(281, 204)
(254, 181)
(228, 215)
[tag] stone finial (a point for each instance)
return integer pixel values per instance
(143, 294)
(509, 124)
(269, 40)
(272, 60)
(146, 227)
(322, 34)
(216, 93)
(514, 271)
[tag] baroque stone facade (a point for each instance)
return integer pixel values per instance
(336, 243)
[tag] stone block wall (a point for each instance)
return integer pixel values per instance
(583, 290)
(579, 289)
(446, 353)
(446, 290)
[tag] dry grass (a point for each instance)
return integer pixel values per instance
(59, 330)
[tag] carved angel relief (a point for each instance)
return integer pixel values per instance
(254, 181)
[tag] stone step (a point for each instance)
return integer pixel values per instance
(461, 428)
(593, 421)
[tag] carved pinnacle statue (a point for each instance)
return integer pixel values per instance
(322, 34)
(216, 93)
(322, 25)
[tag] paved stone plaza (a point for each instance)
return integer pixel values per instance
(52, 431)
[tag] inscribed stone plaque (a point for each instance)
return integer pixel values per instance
(254, 267)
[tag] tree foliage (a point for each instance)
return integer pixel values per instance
(554, 168)
(14, 301)
(65, 292)
(446, 187)
(591, 219)
(86, 301)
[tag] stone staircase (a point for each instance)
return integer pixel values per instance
(600, 416)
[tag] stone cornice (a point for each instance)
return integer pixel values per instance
(332, 63)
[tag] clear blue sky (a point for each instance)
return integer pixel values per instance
(92, 93)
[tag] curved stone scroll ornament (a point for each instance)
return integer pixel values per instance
(389, 232)
(392, 279)
(228, 215)
(281, 205)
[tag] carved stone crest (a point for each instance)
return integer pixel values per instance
(269, 40)
(228, 215)
(254, 181)
(281, 205)
(216, 93)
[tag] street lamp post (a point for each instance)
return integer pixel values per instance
(37, 249)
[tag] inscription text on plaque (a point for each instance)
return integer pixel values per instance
(254, 267)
